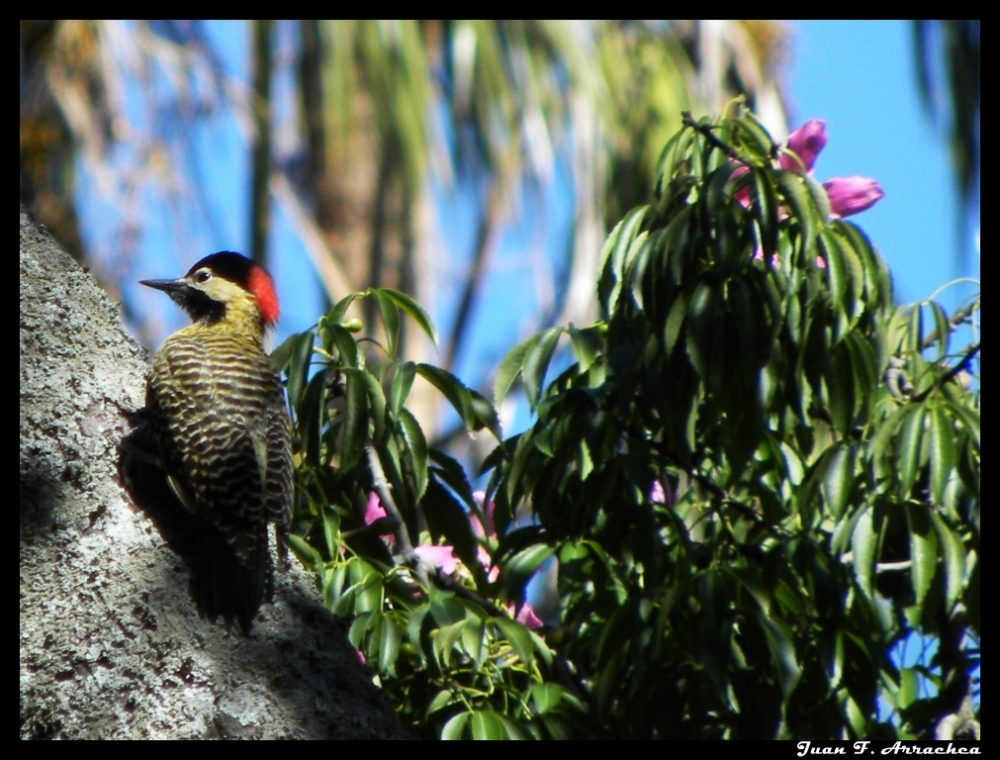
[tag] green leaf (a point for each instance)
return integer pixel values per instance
(613, 258)
(953, 553)
(908, 448)
(863, 545)
(672, 159)
(355, 419)
(705, 328)
(331, 530)
(793, 187)
(536, 362)
(587, 345)
(915, 336)
(413, 310)
(294, 356)
(518, 637)
(346, 346)
(546, 697)
(488, 725)
(793, 464)
(367, 588)
(453, 389)
(969, 418)
(766, 207)
(782, 653)
(388, 645)
(923, 549)
(282, 355)
(453, 475)
(484, 415)
(444, 642)
(675, 320)
(844, 532)
(416, 444)
(837, 274)
(753, 581)
(455, 727)
(943, 330)
(305, 552)
(863, 366)
(390, 318)
(311, 417)
(402, 381)
(760, 141)
(838, 479)
(359, 629)
(840, 377)
(336, 314)
(473, 635)
(820, 198)
(942, 453)
(376, 399)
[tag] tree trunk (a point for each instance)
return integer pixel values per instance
(111, 643)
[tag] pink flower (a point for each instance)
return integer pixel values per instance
(374, 510)
(806, 142)
(852, 195)
(661, 491)
(361, 656)
(743, 194)
(848, 196)
(439, 556)
(527, 617)
(488, 507)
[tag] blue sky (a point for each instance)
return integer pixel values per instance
(858, 76)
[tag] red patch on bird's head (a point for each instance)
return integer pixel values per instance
(250, 276)
(261, 285)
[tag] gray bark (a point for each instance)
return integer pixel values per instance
(111, 642)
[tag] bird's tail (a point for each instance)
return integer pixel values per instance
(223, 585)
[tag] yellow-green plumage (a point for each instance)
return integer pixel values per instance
(218, 409)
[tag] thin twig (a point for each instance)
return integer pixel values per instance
(384, 491)
(706, 130)
(960, 317)
(970, 354)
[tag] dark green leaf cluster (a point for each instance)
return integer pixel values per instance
(746, 517)
(456, 661)
(757, 476)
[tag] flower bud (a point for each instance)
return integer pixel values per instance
(852, 195)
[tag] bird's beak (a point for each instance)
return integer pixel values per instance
(168, 286)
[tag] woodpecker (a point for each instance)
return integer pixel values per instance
(218, 410)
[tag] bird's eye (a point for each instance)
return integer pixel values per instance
(203, 275)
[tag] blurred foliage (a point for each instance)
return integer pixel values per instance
(955, 47)
(756, 478)
(367, 119)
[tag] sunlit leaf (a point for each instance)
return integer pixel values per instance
(414, 310)
(390, 317)
(536, 362)
(417, 446)
(839, 479)
(454, 728)
(355, 431)
(863, 544)
(908, 447)
(942, 452)
(519, 638)
(953, 553)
